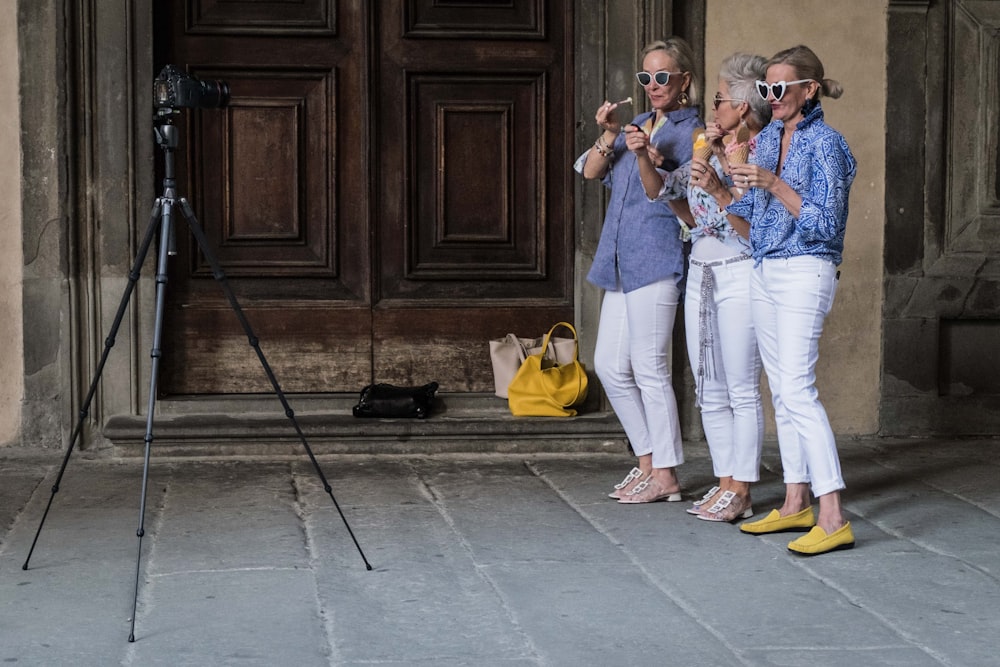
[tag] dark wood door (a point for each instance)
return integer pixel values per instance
(388, 189)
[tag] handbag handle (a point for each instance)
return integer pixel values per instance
(522, 353)
(576, 353)
(576, 348)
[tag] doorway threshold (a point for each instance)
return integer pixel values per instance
(257, 426)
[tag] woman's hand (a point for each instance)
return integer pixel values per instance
(714, 135)
(746, 176)
(654, 155)
(704, 176)
(607, 119)
(637, 141)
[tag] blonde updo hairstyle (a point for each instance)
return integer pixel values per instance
(808, 66)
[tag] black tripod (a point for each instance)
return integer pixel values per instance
(162, 218)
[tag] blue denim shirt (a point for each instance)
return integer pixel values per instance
(640, 240)
(820, 168)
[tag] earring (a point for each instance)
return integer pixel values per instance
(683, 99)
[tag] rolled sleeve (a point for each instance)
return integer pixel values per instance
(675, 183)
(824, 208)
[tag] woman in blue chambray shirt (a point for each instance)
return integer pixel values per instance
(799, 183)
(639, 263)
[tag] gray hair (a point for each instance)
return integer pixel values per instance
(741, 71)
(678, 49)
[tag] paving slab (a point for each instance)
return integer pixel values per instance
(504, 560)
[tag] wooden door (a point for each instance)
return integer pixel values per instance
(387, 189)
(473, 114)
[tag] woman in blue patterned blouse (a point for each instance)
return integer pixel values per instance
(639, 264)
(798, 182)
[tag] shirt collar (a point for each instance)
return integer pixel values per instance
(814, 115)
(675, 116)
(682, 114)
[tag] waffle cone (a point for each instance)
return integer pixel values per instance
(740, 154)
(743, 134)
(700, 146)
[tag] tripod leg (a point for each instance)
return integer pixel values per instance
(166, 236)
(220, 277)
(133, 278)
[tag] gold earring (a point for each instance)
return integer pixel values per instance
(683, 99)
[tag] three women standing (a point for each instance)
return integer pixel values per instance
(793, 195)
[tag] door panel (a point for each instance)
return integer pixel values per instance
(279, 183)
(388, 189)
(474, 224)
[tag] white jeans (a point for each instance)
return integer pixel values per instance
(790, 298)
(722, 349)
(632, 360)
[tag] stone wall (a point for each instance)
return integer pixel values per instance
(11, 365)
(850, 39)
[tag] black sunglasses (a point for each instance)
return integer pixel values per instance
(662, 77)
(777, 88)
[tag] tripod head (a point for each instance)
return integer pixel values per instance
(167, 137)
(166, 133)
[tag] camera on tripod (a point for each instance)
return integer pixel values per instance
(173, 88)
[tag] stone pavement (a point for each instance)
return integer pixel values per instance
(492, 560)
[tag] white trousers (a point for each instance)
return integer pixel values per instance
(790, 299)
(632, 360)
(722, 349)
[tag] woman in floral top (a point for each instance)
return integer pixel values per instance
(722, 346)
(799, 184)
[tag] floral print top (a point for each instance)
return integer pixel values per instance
(711, 220)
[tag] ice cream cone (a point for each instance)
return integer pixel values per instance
(701, 147)
(742, 134)
(738, 150)
(740, 154)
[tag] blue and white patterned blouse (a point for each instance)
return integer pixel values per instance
(820, 168)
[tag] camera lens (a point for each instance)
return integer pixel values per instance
(214, 94)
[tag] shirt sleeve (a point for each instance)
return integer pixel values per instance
(743, 207)
(617, 148)
(824, 206)
(675, 183)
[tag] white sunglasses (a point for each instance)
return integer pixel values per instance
(662, 77)
(777, 88)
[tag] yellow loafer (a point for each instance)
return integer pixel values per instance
(816, 541)
(775, 523)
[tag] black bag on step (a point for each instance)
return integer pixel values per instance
(386, 400)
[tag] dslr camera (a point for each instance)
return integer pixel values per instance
(173, 88)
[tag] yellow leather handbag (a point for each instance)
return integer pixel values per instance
(542, 387)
